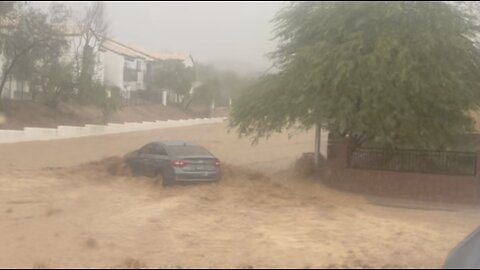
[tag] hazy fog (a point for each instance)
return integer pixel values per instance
(229, 34)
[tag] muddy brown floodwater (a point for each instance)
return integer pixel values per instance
(61, 209)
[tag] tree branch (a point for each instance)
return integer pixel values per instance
(12, 64)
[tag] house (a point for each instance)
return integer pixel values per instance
(127, 67)
(118, 66)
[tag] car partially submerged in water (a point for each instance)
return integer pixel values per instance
(175, 162)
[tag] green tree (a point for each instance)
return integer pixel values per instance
(29, 37)
(6, 7)
(108, 101)
(392, 72)
(55, 82)
(93, 28)
(51, 75)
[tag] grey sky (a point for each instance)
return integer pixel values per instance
(229, 34)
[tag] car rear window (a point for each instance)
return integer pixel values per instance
(187, 150)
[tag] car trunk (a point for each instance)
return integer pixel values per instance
(199, 164)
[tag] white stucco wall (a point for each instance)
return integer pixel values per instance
(113, 69)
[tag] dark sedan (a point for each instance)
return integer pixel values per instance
(175, 162)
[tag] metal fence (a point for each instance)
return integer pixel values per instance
(420, 161)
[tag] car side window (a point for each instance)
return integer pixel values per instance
(153, 149)
(159, 150)
(148, 149)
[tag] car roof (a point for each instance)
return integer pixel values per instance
(174, 143)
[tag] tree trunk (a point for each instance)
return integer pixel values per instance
(5, 75)
(4, 80)
(12, 64)
(187, 103)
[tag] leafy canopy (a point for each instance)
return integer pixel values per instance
(394, 72)
(6, 7)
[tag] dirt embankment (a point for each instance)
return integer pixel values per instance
(20, 114)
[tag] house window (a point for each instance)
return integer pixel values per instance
(139, 65)
(130, 75)
(129, 63)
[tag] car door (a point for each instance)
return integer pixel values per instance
(144, 158)
(162, 160)
(155, 160)
(133, 160)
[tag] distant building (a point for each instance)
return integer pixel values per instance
(118, 66)
(127, 68)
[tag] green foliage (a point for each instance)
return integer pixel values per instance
(262, 108)
(43, 66)
(55, 83)
(173, 75)
(33, 46)
(6, 7)
(110, 104)
(93, 27)
(98, 95)
(25, 40)
(394, 72)
(33, 43)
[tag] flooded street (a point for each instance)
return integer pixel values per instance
(57, 209)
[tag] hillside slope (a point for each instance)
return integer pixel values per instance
(20, 114)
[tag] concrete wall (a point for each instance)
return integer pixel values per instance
(63, 132)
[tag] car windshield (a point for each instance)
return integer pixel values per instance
(187, 150)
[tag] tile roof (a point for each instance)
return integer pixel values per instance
(129, 50)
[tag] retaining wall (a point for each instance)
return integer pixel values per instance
(63, 132)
